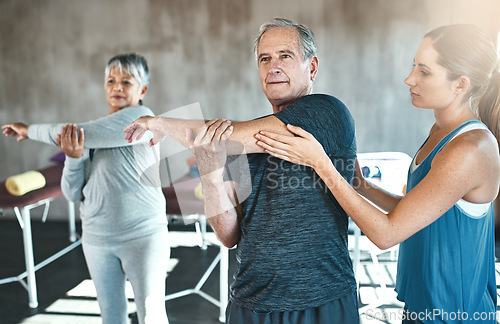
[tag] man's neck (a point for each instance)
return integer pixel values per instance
(277, 107)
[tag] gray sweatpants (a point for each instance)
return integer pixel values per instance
(144, 263)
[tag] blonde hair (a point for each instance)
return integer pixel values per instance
(466, 50)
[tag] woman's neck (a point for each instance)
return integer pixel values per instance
(451, 117)
(112, 110)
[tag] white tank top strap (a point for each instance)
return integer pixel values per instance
(470, 127)
(473, 210)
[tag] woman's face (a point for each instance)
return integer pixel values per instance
(428, 81)
(122, 90)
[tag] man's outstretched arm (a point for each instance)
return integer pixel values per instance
(175, 128)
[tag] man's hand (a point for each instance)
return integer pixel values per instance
(69, 142)
(16, 129)
(209, 147)
(139, 127)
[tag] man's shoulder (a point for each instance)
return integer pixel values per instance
(319, 99)
(317, 106)
(325, 117)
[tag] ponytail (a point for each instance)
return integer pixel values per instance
(488, 108)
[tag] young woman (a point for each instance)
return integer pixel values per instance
(124, 228)
(446, 264)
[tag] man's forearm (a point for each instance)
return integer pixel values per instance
(175, 128)
(241, 141)
(221, 212)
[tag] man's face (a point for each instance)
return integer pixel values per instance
(284, 75)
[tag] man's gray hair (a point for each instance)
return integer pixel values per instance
(132, 64)
(307, 41)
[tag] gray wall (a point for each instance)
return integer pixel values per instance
(53, 53)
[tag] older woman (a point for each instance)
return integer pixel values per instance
(124, 228)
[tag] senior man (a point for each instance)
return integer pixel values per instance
(290, 233)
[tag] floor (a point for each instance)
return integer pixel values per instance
(65, 291)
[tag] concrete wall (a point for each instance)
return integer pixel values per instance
(53, 53)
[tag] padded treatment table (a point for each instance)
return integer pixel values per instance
(22, 206)
(182, 205)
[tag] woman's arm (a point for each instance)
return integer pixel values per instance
(454, 174)
(383, 199)
(106, 132)
(73, 176)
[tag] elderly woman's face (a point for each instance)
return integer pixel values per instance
(123, 90)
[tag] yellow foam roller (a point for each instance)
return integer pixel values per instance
(23, 183)
(198, 192)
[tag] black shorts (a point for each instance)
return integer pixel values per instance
(343, 311)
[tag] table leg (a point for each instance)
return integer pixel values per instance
(203, 225)
(223, 276)
(29, 257)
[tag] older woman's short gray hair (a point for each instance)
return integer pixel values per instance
(307, 41)
(131, 63)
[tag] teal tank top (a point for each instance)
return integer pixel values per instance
(446, 271)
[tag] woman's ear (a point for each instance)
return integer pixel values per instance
(143, 91)
(462, 85)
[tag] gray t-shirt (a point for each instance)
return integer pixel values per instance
(117, 182)
(293, 253)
